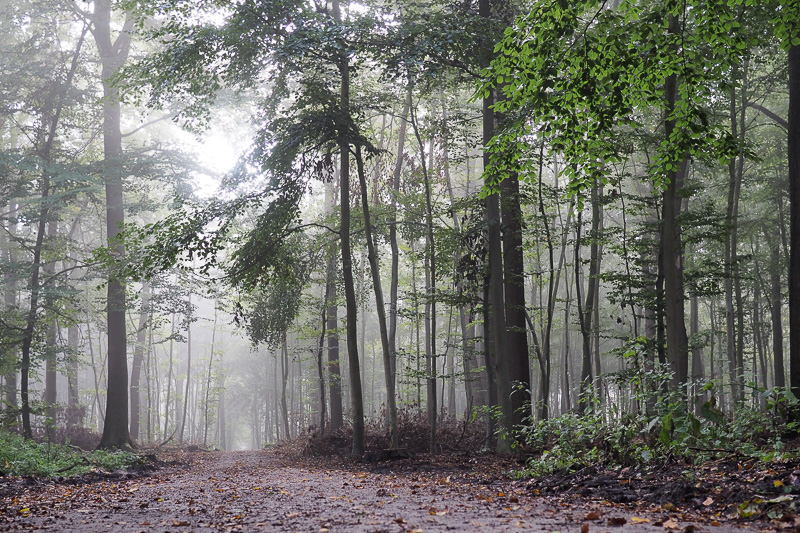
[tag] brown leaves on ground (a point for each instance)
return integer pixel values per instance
(251, 491)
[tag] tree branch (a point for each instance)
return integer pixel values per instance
(779, 120)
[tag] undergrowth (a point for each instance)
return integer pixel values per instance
(20, 457)
(666, 430)
(452, 436)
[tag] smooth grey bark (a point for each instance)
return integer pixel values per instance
(139, 352)
(284, 381)
(354, 368)
(208, 378)
(10, 300)
(50, 378)
(321, 364)
(188, 375)
(114, 54)
(395, 267)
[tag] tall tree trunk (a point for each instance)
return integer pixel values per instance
(496, 290)
(677, 341)
(584, 322)
(334, 373)
(208, 378)
(776, 305)
(188, 375)
(136, 365)
(354, 368)
(50, 377)
(169, 380)
(430, 291)
(794, 223)
(321, 364)
(284, 378)
(514, 294)
(395, 269)
(391, 408)
(10, 301)
(113, 54)
(734, 311)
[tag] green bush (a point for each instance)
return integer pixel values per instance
(664, 429)
(20, 457)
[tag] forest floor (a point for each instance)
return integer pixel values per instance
(274, 491)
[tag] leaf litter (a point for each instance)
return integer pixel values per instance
(273, 491)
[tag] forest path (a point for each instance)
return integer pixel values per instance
(263, 491)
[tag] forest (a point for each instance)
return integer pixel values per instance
(539, 225)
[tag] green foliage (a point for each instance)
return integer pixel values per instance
(20, 457)
(666, 431)
(582, 77)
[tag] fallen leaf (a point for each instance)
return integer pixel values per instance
(777, 483)
(178, 523)
(779, 499)
(617, 521)
(637, 520)
(593, 515)
(670, 524)
(585, 528)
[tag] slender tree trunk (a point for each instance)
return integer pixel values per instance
(169, 378)
(50, 391)
(222, 424)
(136, 364)
(321, 365)
(10, 301)
(188, 375)
(208, 378)
(776, 305)
(284, 379)
(391, 408)
(395, 269)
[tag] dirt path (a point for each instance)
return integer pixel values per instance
(259, 491)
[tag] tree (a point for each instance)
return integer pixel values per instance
(113, 55)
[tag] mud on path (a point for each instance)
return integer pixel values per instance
(263, 491)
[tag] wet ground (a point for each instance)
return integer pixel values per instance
(270, 491)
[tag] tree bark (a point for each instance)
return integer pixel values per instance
(113, 54)
(794, 223)
(356, 396)
(674, 314)
(391, 407)
(136, 365)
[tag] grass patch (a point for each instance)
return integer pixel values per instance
(20, 457)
